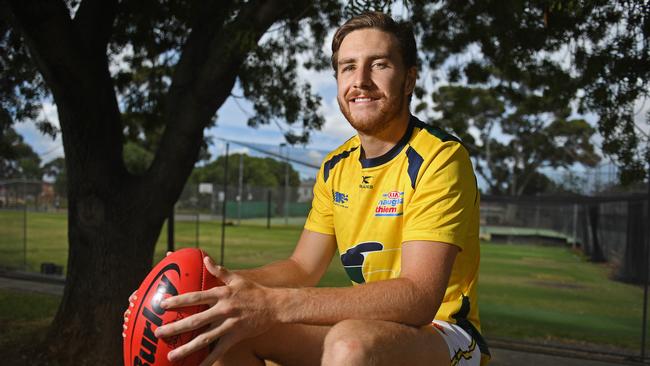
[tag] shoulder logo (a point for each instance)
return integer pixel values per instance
(340, 199)
(390, 204)
(365, 182)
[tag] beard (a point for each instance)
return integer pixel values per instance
(373, 122)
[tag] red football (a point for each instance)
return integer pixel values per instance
(181, 272)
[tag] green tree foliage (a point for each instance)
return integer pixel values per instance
(596, 52)
(257, 172)
(137, 159)
(17, 159)
(533, 134)
(55, 169)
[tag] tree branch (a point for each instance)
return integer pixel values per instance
(488, 180)
(48, 31)
(94, 23)
(81, 86)
(203, 80)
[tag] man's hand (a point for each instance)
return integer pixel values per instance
(127, 312)
(238, 310)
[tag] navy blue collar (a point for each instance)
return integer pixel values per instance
(390, 154)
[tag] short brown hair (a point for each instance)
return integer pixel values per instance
(374, 19)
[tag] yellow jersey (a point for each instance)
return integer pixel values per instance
(424, 188)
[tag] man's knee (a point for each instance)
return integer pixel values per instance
(347, 344)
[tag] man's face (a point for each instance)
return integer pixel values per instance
(373, 85)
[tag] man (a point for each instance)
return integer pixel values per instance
(400, 202)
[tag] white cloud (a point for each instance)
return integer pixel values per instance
(319, 80)
(641, 114)
(50, 113)
(335, 123)
(240, 150)
(315, 157)
(46, 147)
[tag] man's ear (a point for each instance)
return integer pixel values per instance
(411, 78)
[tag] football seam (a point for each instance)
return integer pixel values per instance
(203, 269)
(138, 313)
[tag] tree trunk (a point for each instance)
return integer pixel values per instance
(114, 218)
(111, 250)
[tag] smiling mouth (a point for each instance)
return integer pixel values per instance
(362, 100)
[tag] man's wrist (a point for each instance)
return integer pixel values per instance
(281, 301)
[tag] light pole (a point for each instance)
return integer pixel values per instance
(240, 184)
(646, 252)
(225, 201)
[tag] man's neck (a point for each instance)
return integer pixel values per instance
(378, 144)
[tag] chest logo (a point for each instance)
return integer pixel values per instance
(390, 204)
(365, 182)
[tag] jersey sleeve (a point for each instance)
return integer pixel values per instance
(444, 199)
(320, 217)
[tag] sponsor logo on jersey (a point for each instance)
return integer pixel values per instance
(390, 204)
(340, 199)
(365, 182)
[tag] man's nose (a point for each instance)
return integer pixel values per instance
(362, 77)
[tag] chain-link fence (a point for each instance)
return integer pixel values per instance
(248, 204)
(21, 201)
(608, 229)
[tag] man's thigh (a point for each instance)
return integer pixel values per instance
(374, 342)
(285, 344)
(350, 342)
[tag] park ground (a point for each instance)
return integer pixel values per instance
(529, 295)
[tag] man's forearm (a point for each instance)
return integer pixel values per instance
(398, 300)
(283, 273)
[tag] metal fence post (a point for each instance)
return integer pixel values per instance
(240, 183)
(574, 245)
(198, 224)
(646, 252)
(268, 209)
(170, 231)
(225, 201)
(25, 225)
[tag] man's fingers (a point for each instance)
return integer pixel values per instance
(218, 271)
(211, 266)
(223, 345)
(192, 322)
(202, 340)
(207, 297)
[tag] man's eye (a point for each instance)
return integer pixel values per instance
(380, 65)
(347, 68)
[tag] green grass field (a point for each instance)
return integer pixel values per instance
(526, 292)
